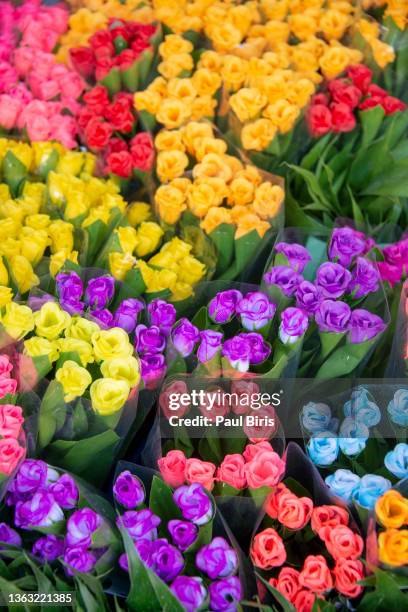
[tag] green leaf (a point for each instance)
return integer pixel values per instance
(223, 238)
(371, 120)
(313, 156)
(8, 589)
(52, 413)
(345, 360)
(391, 182)
(313, 185)
(14, 173)
(134, 280)
(161, 501)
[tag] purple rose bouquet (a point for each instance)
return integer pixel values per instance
(336, 285)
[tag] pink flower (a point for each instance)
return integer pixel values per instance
(11, 420)
(11, 453)
(23, 60)
(172, 468)
(71, 85)
(10, 109)
(265, 470)
(8, 77)
(5, 366)
(315, 574)
(262, 430)
(253, 449)
(8, 386)
(232, 471)
(38, 128)
(46, 90)
(174, 399)
(242, 392)
(201, 472)
(64, 130)
(21, 93)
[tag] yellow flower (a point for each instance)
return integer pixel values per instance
(50, 321)
(301, 92)
(170, 203)
(169, 140)
(148, 101)
(12, 209)
(77, 205)
(276, 32)
(108, 395)
(173, 113)
(122, 368)
(334, 61)
(9, 228)
(170, 165)
(393, 547)
(283, 115)
(6, 295)
(41, 347)
(74, 380)
(62, 235)
(174, 45)
(191, 270)
(161, 280)
(368, 29)
(203, 107)
(211, 60)
(177, 248)
(24, 153)
(58, 187)
(274, 9)
(146, 272)
(23, 273)
(181, 291)
(33, 244)
(392, 509)
(58, 259)
(181, 89)
(183, 184)
(120, 264)
(213, 165)
(214, 218)
(171, 68)
(81, 329)
(4, 192)
(302, 26)
(17, 320)
(247, 103)
(268, 200)
(10, 247)
(74, 345)
(138, 212)
(127, 238)
(193, 132)
(241, 192)
(38, 221)
(111, 343)
(234, 71)
(149, 235)
(201, 198)
(4, 277)
(251, 222)
(333, 24)
(71, 162)
(206, 82)
(98, 213)
(225, 36)
(250, 173)
(164, 260)
(35, 191)
(210, 145)
(258, 134)
(383, 54)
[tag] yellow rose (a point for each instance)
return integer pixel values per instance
(191, 270)
(38, 221)
(170, 203)
(9, 228)
(214, 218)
(127, 237)
(138, 212)
(77, 205)
(210, 60)
(210, 145)
(174, 45)
(81, 329)
(241, 192)
(392, 509)
(71, 162)
(250, 222)
(4, 192)
(50, 321)
(74, 345)
(301, 92)
(4, 277)
(203, 107)
(74, 380)
(12, 209)
(234, 71)
(98, 213)
(177, 248)
(41, 347)
(159, 85)
(241, 17)
(276, 32)
(170, 165)
(33, 244)
(181, 291)
(169, 140)
(122, 368)
(58, 187)
(237, 212)
(247, 103)
(145, 270)
(181, 89)
(225, 36)
(113, 201)
(111, 343)
(173, 113)
(333, 24)
(161, 280)
(10, 247)
(393, 547)
(108, 395)
(334, 61)
(23, 273)
(302, 26)
(171, 68)
(268, 200)
(24, 153)
(274, 9)
(206, 82)
(258, 134)
(148, 101)
(218, 185)
(193, 132)
(58, 259)
(164, 260)
(183, 184)
(235, 164)
(213, 165)
(6, 295)
(120, 264)
(17, 320)
(250, 173)
(283, 115)
(61, 234)
(383, 54)
(149, 235)
(201, 198)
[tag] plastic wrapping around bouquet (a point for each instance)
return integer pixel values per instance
(398, 360)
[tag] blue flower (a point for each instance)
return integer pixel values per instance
(396, 461)
(353, 436)
(360, 407)
(371, 487)
(316, 417)
(343, 483)
(323, 448)
(398, 408)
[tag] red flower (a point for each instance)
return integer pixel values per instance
(304, 601)
(103, 67)
(84, 116)
(347, 573)
(320, 98)
(375, 90)
(146, 30)
(115, 145)
(392, 105)
(315, 574)
(98, 133)
(101, 43)
(360, 75)
(319, 120)
(97, 99)
(126, 59)
(371, 103)
(343, 119)
(120, 31)
(142, 149)
(344, 93)
(83, 60)
(139, 45)
(120, 116)
(120, 163)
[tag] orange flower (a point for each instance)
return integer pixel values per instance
(393, 547)
(392, 509)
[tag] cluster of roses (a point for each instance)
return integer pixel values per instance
(45, 500)
(315, 578)
(391, 512)
(12, 440)
(395, 265)
(36, 93)
(334, 110)
(216, 561)
(258, 466)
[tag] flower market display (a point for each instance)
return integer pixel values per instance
(204, 305)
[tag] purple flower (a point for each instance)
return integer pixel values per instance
(294, 323)
(238, 352)
(256, 310)
(9, 535)
(183, 533)
(65, 492)
(79, 559)
(128, 490)
(190, 592)
(162, 314)
(333, 279)
(217, 559)
(41, 510)
(144, 549)
(33, 474)
(225, 594)
(308, 297)
(365, 278)
(103, 317)
(222, 307)
(100, 291)
(126, 314)
(36, 302)
(69, 287)
(48, 548)
(184, 337)
(346, 243)
(194, 503)
(297, 255)
(333, 316)
(259, 349)
(365, 325)
(80, 527)
(152, 368)
(149, 340)
(140, 524)
(210, 344)
(167, 559)
(123, 562)
(284, 277)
